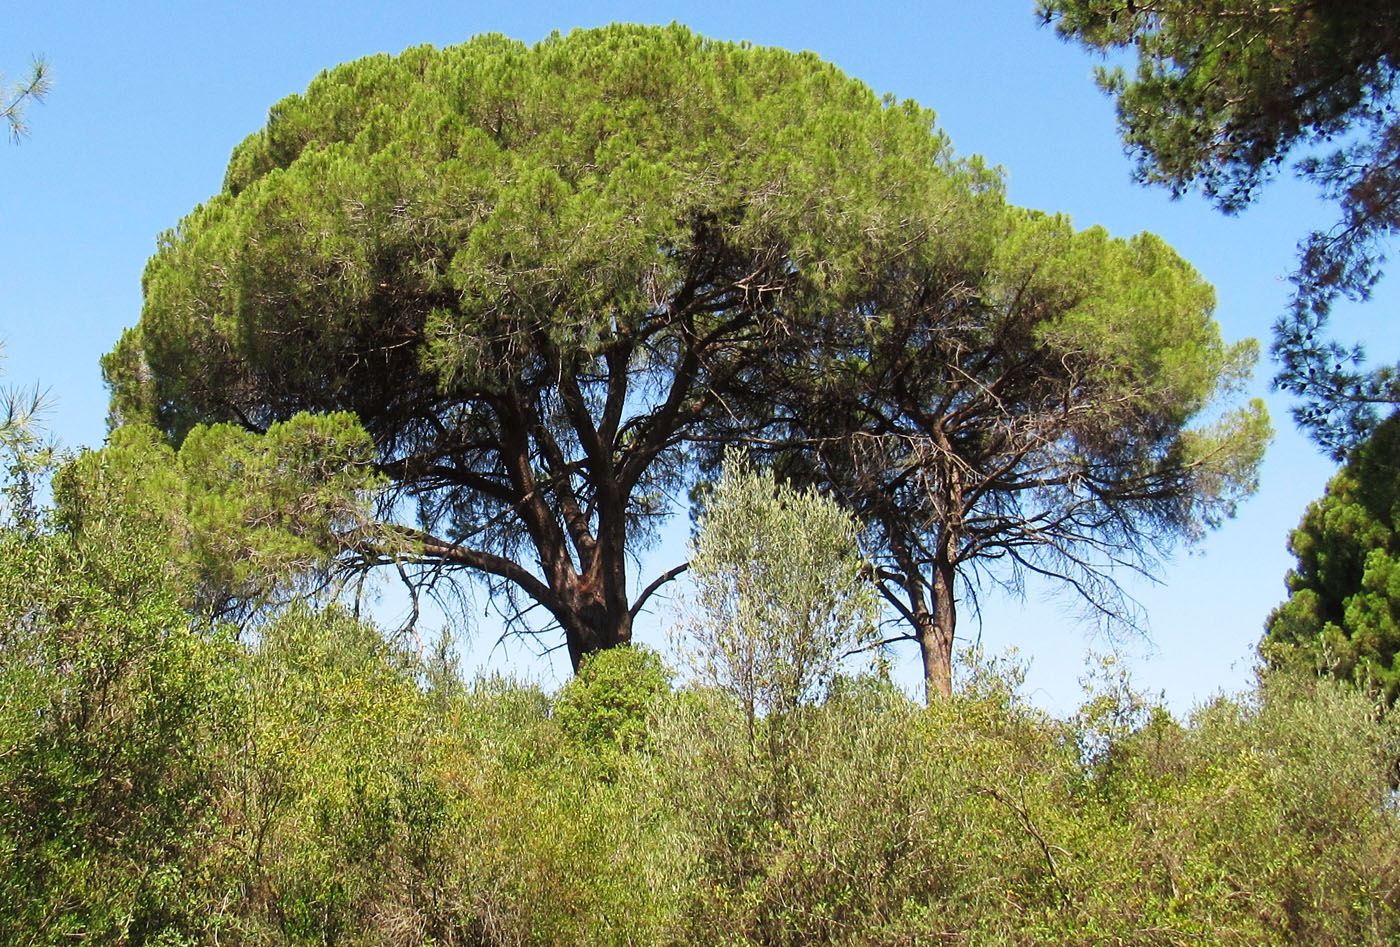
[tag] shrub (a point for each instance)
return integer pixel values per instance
(609, 702)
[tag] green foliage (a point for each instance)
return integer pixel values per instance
(314, 785)
(110, 707)
(1342, 615)
(533, 272)
(548, 845)
(241, 517)
(363, 809)
(781, 591)
(979, 820)
(610, 701)
(27, 457)
(1028, 401)
(326, 797)
(537, 273)
(16, 98)
(1259, 821)
(1222, 93)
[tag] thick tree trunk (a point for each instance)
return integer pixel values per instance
(596, 614)
(592, 626)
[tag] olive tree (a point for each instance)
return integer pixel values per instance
(779, 591)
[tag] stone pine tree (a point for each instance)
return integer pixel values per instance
(542, 277)
(1343, 609)
(1223, 92)
(1027, 405)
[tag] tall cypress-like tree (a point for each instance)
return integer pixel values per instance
(540, 276)
(1343, 607)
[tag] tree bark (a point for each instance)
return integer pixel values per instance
(593, 621)
(935, 633)
(931, 611)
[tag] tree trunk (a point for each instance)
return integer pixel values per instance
(596, 615)
(592, 626)
(929, 607)
(935, 633)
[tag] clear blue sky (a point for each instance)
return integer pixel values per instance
(150, 98)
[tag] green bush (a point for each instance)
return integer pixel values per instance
(610, 701)
(980, 820)
(162, 783)
(363, 808)
(111, 704)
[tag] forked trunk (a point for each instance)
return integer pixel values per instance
(593, 626)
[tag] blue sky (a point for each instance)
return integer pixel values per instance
(150, 98)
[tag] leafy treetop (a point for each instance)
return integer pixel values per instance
(540, 276)
(1223, 92)
(1343, 607)
(1031, 406)
(532, 273)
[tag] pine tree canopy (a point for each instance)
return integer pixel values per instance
(545, 278)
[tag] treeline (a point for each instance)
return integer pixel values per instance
(165, 780)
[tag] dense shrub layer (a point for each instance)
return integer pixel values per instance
(318, 787)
